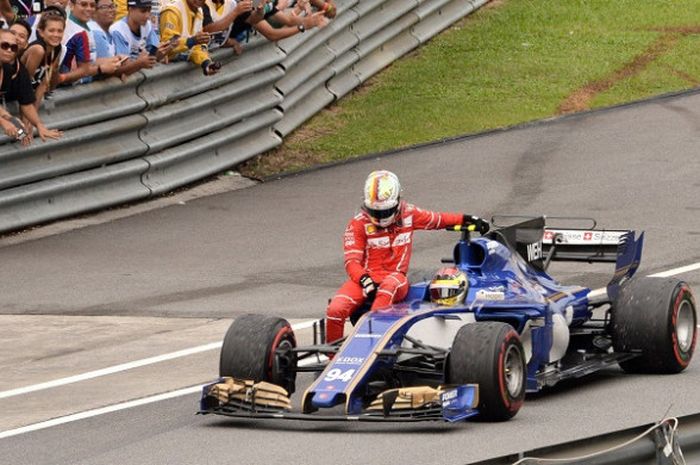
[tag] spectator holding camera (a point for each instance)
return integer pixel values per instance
(135, 37)
(223, 13)
(263, 10)
(182, 24)
(14, 10)
(80, 62)
(16, 85)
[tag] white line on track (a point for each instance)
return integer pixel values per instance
(675, 271)
(116, 407)
(99, 411)
(126, 366)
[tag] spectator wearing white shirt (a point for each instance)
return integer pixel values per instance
(135, 37)
(100, 24)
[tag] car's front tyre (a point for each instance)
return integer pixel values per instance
(490, 354)
(257, 347)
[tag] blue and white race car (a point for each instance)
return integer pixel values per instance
(518, 330)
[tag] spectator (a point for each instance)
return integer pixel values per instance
(16, 85)
(100, 24)
(181, 23)
(80, 62)
(21, 29)
(135, 37)
(13, 10)
(223, 13)
(42, 56)
(290, 24)
(56, 5)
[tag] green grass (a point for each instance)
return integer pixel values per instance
(509, 63)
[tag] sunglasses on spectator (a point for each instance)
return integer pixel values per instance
(9, 46)
(87, 4)
(111, 6)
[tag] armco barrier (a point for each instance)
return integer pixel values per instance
(170, 126)
(634, 446)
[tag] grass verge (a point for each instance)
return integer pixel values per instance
(511, 62)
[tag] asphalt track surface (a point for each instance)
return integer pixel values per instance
(276, 248)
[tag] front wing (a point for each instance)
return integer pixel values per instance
(247, 399)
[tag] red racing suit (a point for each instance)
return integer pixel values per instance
(384, 254)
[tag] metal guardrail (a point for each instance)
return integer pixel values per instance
(629, 447)
(170, 126)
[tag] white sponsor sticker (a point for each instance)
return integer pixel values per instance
(370, 336)
(379, 242)
(492, 246)
(582, 237)
(349, 361)
(402, 239)
(408, 221)
(534, 251)
(483, 294)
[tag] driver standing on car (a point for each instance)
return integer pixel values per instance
(377, 243)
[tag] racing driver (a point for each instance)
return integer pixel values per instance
(377, 243)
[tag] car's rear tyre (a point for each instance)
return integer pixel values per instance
(656, 317)
(490, 354)
(254, 348)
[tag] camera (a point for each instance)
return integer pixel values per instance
(21, 132)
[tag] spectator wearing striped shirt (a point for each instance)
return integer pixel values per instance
(80, 62)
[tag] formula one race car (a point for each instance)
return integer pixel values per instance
(517, 330)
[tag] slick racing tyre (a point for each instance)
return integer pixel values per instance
(257, 347)
(656, 317)
(490, 354)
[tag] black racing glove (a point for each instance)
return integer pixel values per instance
(369, 287)
(482, 226)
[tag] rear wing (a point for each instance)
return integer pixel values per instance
(589, 245)
(539, 243)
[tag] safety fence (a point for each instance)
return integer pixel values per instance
(169, 126)
(657, 444)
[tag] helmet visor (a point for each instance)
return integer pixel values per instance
(378, 215)
(445, 291)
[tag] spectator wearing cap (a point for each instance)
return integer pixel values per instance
(182, 23)
(291, 24)
(42, 56)
(80, 62)
(135, 37)
(16, 85)
(223, 13)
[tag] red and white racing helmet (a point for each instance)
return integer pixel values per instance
(382, 197)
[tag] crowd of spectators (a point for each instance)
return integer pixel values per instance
(45, 44)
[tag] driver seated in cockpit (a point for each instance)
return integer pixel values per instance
(449, 286)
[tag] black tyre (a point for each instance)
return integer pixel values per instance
(254, 348)
(657, 317)
(490, 354)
